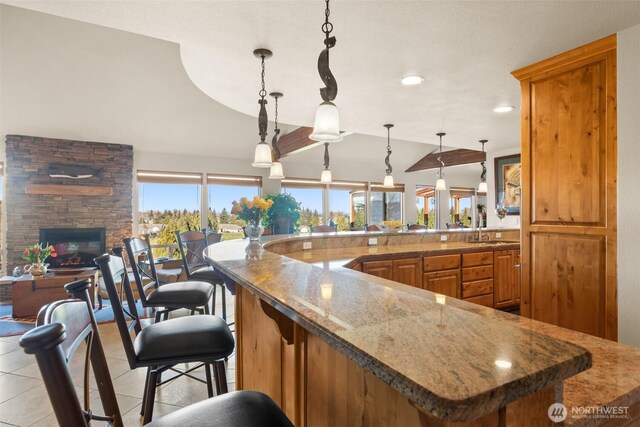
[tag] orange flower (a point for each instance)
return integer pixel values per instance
(53, 254)
(52, 249)
(26, 252)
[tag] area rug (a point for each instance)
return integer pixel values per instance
(10, 326)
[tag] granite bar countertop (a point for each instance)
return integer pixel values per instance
(451, 360)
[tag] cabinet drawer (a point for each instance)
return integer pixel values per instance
(470, 274)
(479, 287)
(477, 258)
(441, 262)
(486, 300)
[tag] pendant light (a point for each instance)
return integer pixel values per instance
(262, 156)
(482, 187)
(327, 124)
(441, 185)
(276, 168)
(388, 179)
(325, 178)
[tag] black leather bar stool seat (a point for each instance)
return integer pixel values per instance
(165, 341)
(235, 409)
(206, 274)
(191, 294)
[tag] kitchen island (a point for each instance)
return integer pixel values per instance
(335, 346)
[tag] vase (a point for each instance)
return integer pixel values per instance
(37, 269)
(254, 232)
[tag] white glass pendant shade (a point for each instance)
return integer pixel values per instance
(326, 177)
(441, 185)
(276, 171)
(483, 187)
(388, 182)
(262, 156)
(327, 124)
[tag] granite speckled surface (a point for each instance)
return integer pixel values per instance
(452, 361)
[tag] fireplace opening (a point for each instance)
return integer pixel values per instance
(76, 247)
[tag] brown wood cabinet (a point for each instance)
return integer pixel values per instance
(442, 274)
(569, 190)
(382, 269)
(408, 271)
(446, 282)
(477, 278)
(506, 278)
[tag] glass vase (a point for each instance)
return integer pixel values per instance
(37, 269)
(254, 231)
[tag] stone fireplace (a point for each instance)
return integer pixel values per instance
(44, 191)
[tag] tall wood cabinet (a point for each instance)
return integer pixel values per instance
(569, 204)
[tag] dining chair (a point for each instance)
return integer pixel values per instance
(192, 295)
(417, 227)
(161, 346)
(324, 228)
(70, 322)
(191, 245)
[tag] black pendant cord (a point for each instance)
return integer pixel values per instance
(483, 175)
(262, 116)
(387, 159)
(330, 91)
(326, 156)
(276, 131)
(441, 134)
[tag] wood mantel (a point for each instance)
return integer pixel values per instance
(68, 190)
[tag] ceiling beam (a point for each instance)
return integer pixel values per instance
(296, 141)
(450, 158)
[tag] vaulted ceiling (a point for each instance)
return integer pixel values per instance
(465, 51)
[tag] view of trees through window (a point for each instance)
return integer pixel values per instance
(164, 208)
(461, 207)
(426, 206)
(310, 200)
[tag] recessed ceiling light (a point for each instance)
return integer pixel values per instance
(412, 80)
(504, 109)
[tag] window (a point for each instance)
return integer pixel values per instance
(426, 206)
(168, 201)
(386, 204)
(222, 191)
(310, 195)
(461, 206)
(347, 204)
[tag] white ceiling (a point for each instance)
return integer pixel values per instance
(465, 50)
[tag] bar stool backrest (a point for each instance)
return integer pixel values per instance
(192, 245)
(142, 265)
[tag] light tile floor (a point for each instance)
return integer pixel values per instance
(24, 400)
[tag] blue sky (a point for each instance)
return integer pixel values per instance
(187, 196)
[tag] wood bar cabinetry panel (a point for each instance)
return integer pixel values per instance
(408, 271)
(446, 282)
(442, 274)
(568, 200)
(506, 278)
(382, 269)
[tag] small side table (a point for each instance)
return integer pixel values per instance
(30, 293)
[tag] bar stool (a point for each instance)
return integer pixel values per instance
(65, 324)
(192, 245)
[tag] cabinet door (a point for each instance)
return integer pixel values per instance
(408, 271)
(504, 284)
(382, 269)
(443, 282)
(569, 189)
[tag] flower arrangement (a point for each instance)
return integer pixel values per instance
(252, 211)
(37, 253)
